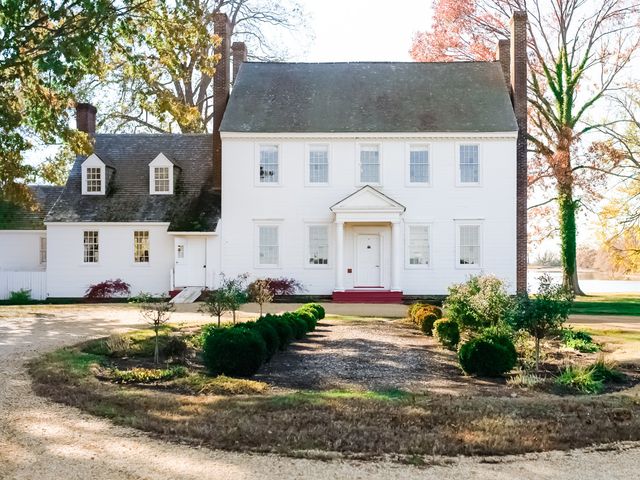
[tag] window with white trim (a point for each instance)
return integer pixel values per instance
(419, 245)
(43, 250)
(161, 182)
(268, 245)
(419, 164)
(319, 164)
(91, 246)
(141, 246)
(469, 164)
(93, 178)
(318, 245)
(269, 164)
(468, 245)
(369, 164)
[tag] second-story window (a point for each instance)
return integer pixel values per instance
(269, 164)
(94, 179)
(419, 165)
(161, 179)
(369, 164)
(469, 163)
(319, 164)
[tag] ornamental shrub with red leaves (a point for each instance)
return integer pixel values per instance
(108, 289)
(282, 286)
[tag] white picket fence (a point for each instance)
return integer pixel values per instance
(14, 281)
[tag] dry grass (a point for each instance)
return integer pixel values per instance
(354, 423)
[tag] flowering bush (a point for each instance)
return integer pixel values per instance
(108, 289)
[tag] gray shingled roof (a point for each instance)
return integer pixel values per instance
(194, 206)
(13, 217)
(370, 97)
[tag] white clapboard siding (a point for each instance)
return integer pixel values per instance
(14, 281)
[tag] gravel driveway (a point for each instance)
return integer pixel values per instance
(39, 439)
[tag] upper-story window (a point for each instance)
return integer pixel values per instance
(419, 167)
(369, 164)
(269, 164)
(93, 176)
(161, 176)
(469, 165)
(318, 167)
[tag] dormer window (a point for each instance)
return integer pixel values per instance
(161, 176)
(94, 176)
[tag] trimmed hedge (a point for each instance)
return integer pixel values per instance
(424, 316)
(489, 355)
(240, 350)
(447, 332)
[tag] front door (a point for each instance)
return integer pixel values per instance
(368, 260)
(190, 261)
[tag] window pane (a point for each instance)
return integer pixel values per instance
(419, 165)
(269, 168)
(141, 247)
(43, 249)
(161, 179)
(469, 164)
(469, 244)
(369, 164)
(318, 245)
(94, 179)
(91, 247)
(419, 245)
(319, 164)
(268, 245)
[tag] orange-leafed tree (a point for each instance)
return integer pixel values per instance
(578, 51)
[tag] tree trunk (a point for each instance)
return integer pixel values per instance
(156, 351)
(567, 212)
(537, 355)
(219, 320)
(234, 317)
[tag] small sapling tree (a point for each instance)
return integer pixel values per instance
(156, 311)
(216, 304)
(260, 292)
(235, 291)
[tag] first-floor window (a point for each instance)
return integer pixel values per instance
(91, 246)
(469, 244)
(418, 245)
(141, 246)
(43, 249)
(318, 245)
(269, 164)
(268, 245)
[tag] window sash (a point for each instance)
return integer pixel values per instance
(369, 164)
(419, 246)
(161, 179)
(318, 245)
(94, 179)
(91, 246)
(269, 164)
(419, 165)
(319, 165)
(469, 164)
(469, 244)
(141, 246)
(268, 245)
(43, 249)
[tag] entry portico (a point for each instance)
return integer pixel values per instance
(368, 242)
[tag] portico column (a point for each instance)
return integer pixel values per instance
(339, 286)
(396, 255)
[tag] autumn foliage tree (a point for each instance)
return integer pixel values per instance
(578, 51)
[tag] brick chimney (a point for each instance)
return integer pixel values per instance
(239, 54)
(518, 81)
(503, 56)
(221, 82)
(86, 117)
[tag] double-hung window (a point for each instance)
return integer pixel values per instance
(469, 245)
(469, 164)
(419, 171)
(91, 246)
(268, 245)
(141, 246)
(318, 245)
(369, 164)
(43, 250)
(318, 165)
(269, 164)
(419, 245)
(94, 179)
(161, 180)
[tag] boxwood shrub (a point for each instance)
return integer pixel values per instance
(308, 316)
(447, 332)
(317, 308)
(237, 352)
(282, 327)
(268, 333)
(425, 318)
(489, 355)
(298, 324)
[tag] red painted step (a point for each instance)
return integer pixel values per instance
(367, 296)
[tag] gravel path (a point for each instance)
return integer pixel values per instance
(39, 439)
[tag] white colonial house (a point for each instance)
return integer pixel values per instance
(365, 181)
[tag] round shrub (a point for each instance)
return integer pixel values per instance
(489, 355)
(425, 318)
(413, 309)
(268, 333)
(309, 317)
(283, 329)
(176, 347)
(298, 325)
(319, 309)
(235, 352)
(447, 332)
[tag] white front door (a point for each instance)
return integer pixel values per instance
(190, 261)
(368, 260)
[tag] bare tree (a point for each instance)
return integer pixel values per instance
(156, 311)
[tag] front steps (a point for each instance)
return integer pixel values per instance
(187, 295)
(367, 296)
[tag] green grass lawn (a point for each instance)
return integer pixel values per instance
(607, 305)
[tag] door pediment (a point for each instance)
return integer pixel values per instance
(367, 199)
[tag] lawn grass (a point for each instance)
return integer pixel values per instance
(358, 424)
(607, 305)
